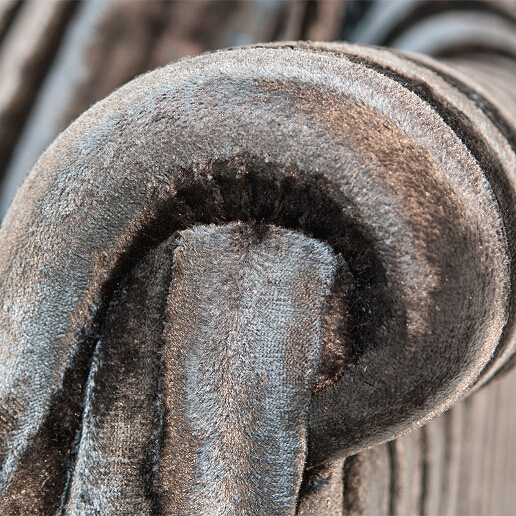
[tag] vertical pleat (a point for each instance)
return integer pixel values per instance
(117, 456)
(25, 56)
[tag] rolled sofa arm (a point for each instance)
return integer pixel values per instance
(241, 267)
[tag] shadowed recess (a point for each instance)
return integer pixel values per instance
(221, 193)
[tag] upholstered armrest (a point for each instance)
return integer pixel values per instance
(242, 267)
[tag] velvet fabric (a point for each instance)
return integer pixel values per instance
(238, 269)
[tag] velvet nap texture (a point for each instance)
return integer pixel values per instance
(238, 269)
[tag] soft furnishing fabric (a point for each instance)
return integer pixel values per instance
(227, 283)
(241, 268)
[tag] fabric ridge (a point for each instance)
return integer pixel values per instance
(249, 282)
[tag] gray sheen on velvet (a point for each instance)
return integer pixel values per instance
(236, 382)
(239, 269)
